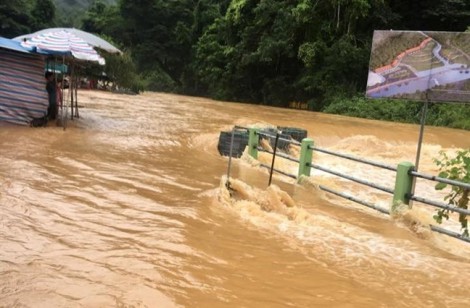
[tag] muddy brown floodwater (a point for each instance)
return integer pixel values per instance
(126, 208)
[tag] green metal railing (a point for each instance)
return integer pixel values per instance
(402, 191)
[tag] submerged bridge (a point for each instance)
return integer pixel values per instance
(233, 144)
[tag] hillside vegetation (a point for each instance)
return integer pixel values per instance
(71, 12)
(68, 5)
(270, 52)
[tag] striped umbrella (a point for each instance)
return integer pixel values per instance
(91, 39)
(63, 43)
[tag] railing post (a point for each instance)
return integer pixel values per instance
(305, 157)
(253, 142)
(403, 185)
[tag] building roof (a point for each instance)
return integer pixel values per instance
(12, 45)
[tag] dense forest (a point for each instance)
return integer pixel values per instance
(269, 52)
(70, 12)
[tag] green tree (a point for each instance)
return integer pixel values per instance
(104, 19)
(161, 35)
(43, 14)
(158, 32)
(212, 63)
(436, 15)
(204, 13)
(121, 70)
(277, 51)
(249, 54)
(15, 18)
(95, 19)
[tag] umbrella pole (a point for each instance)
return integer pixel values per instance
(56, 111)
(64, 103)
(76, 79)
(74, 88)
(72, 98)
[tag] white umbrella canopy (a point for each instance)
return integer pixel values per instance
(89, 38)
(63, 43)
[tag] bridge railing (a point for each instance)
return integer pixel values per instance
(402, 191)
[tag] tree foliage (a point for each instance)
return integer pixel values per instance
(15, 17)
(269, 51)
(18, 17)
(458, 169)
(262, 51)
(121, 70)
(43, 14)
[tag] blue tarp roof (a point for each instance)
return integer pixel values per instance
(12, 45)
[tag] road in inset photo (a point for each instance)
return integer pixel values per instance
(417, 65)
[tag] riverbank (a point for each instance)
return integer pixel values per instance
(439, 114)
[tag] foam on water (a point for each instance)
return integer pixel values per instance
(333, 241)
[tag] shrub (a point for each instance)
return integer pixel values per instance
(457, 168)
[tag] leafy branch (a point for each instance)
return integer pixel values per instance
(457, 169)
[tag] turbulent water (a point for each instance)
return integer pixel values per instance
(127, 207)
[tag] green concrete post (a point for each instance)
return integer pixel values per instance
(305, 158)
(253, 142)
(403, 185)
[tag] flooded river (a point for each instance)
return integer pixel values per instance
(125, 208)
